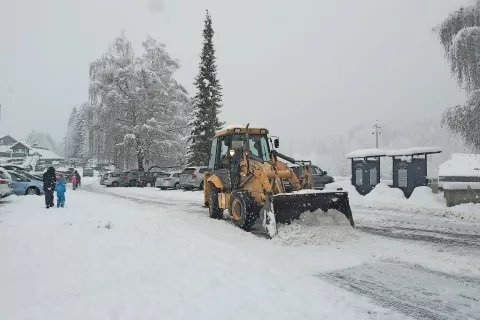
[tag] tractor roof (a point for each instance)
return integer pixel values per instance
(240, 129)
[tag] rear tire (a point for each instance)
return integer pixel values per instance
(114, 184)
(214, 211)
(201, 186)
(177, 186)
(240, 208)
(149, 185)
(133, 183)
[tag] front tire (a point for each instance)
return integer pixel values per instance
(214, 211)
(149, 185)
(240, 208)
(32, 191)
(201, 186)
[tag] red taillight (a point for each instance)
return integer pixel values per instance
(194, 176)
(126, 177)
(167, 179)
(3, 181)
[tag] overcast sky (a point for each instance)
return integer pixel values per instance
(303, 68)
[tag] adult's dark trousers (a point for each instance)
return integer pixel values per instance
(49, 198)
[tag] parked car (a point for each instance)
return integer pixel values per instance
(192, 178)
(132, 178)
(149, 178)
(5, 184)
(24, 186)
(88, 172)
(320, 178)
(168, 181)
(112, 179)
(66, 173)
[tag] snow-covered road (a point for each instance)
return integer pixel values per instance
(150, 254)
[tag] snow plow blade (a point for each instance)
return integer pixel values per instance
(289, 206)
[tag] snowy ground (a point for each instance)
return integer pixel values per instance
(149, 254)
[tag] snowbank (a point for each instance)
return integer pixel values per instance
(422, 201)
(383, 194)
(424, 197)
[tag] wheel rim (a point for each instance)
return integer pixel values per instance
(149, 185)
(32, 192)
(236, 209)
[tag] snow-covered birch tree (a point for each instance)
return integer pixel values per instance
(459, 35)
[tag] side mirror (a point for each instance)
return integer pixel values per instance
(325, 172)
(276, 143)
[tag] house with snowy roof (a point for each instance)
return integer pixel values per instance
(12, 148)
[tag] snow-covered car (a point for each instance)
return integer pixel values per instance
(5, 184)
(192, 178)
(32, 176)
(88, 172)
(112, 179)
(23, 185)
(168, 181)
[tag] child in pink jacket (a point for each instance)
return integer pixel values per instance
(74, 182)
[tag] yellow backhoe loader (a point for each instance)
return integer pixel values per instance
(245, 176)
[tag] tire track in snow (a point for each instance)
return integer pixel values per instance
(412, 290)
(437, 237)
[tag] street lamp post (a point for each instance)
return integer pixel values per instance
(376, 131)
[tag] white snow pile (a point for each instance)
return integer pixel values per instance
(317, 228)
(423, 196)
(382, 194)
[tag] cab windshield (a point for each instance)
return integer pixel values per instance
(258, 144)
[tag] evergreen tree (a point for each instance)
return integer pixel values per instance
(207, 102)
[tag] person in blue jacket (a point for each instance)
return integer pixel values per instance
(60, 189)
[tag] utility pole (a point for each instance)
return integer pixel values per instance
(376, 131)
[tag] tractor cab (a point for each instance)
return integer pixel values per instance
(230, 147)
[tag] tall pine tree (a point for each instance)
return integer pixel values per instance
(207, 102)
